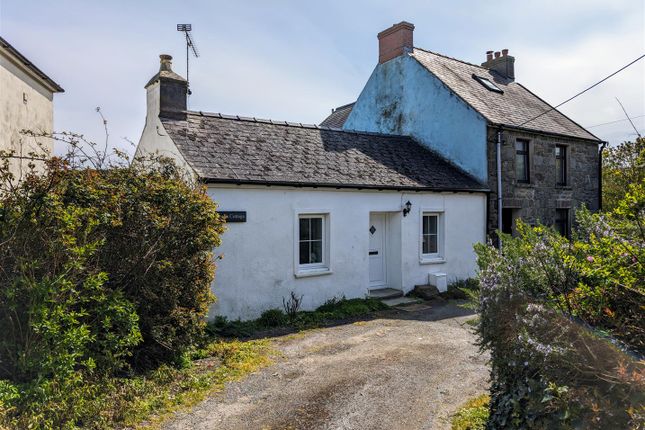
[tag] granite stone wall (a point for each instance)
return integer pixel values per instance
(538, 200)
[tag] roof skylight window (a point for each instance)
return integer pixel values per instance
(488, 84)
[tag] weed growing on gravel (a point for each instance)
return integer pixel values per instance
(472, 415)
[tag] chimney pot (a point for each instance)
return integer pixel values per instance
(165, 61)
(395, 41)
(502, 63)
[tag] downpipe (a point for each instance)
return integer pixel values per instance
(499, 188)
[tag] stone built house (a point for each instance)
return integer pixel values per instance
(26, 103)
(549, 163)
(389, 192)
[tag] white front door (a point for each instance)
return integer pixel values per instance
(377, 236)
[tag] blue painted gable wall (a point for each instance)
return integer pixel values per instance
(402, 97)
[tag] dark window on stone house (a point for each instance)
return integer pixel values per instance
(562, 221)
(522, 160)
(561, 164)
(507, 220)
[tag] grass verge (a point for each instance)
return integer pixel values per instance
(472, 415)
(146, 400)
(150, 400)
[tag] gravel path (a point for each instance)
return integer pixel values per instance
(403, 370)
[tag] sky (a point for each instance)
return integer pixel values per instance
(295, 60)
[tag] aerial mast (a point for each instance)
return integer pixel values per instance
(190, 46)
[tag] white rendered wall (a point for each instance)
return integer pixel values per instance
(24, 105)
(257, 268)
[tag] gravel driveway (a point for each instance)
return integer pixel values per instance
(402, 370)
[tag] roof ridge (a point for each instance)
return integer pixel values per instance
(344, 106)
(451, 58)
(291, 124)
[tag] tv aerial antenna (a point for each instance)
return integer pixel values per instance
(190, 47)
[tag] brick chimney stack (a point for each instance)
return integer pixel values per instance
(395, 41)
(501, 63)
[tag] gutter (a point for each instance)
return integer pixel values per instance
(548, 133)
(340, 186)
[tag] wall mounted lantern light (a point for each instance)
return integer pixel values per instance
(407, 208)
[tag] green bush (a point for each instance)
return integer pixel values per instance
(272, 318)
(102, 268)
(333, 310)
(158, 251)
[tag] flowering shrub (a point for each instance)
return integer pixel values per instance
(554, 314)
(547, 370)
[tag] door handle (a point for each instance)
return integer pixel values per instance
(373, 252)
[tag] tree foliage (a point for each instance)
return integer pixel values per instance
(622, 166)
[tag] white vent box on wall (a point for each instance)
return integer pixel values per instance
(439, 280)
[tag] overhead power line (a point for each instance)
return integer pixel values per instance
(583, 91)
(615, 122)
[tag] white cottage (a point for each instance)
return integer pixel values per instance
(318, 211)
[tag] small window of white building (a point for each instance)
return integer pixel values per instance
(431, 236)
(312, 245)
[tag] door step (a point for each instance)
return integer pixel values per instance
(400, 301)
(384, 293)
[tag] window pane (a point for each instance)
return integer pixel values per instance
(520, 145)
(426, 245)
(432, 221)
(559, 170)
(432, 248)
(304, 253)
(316, 228)
(304, 228)
(558, 151)
(316, 252)
(520, 167)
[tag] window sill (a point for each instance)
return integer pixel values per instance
(307, 273)
(524, 185)
(432, 260)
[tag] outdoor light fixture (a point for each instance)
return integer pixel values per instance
(407, 208)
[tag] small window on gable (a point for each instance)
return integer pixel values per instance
(488, 84)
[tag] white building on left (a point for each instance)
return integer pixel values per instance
(26, 103)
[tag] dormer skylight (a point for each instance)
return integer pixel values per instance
(488, 84)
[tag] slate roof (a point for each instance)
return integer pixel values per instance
(54, 87)
(512, 108)
(225, 149)
(338, 116)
